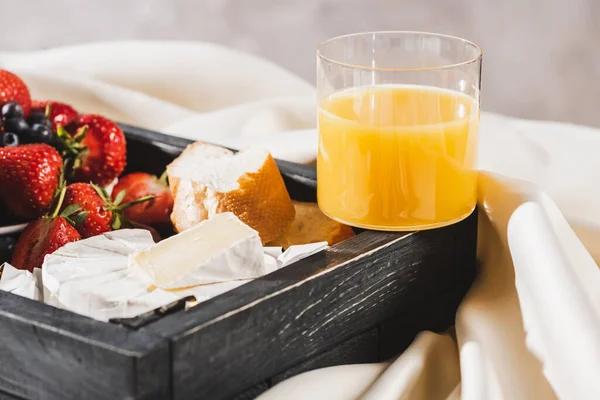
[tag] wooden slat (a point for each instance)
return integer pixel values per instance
(360, 349)
(55, 354)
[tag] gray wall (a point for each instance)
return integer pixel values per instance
(541, 57)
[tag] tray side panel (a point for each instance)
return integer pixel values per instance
(47, 353)
(232, 353)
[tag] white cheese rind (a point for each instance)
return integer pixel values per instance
(91, 277)
(94, 256)
(20, 282)
(219, 249)
(298, 252)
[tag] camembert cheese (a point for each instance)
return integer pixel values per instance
(219, 249)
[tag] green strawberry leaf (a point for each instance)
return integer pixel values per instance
(102, 193)
(117, 221)
(59, 201)
(137, 201)
(120, 197)
(79, 218)
(70, 210)
(80, 135)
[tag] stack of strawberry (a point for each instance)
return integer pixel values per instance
(60, 186)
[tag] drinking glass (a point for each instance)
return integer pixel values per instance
(398, 126)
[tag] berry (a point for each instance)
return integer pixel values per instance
(15, 125)
(8, 139)
(59, 114)
(12, 110)
(98, 219)
(156, 212)
(46, 235)
(38, 118)
(102, 214)
(12, 88)
(39, 133)
(97, 154)
(29, 178)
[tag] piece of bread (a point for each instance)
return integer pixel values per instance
(311, 226)
(206, 180)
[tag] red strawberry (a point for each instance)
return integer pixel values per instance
(155, 212)
(29, 178)
(44, 236)
(97, 150)
(59, 113)
(102, 214)
(38, 105)
(99, 219)
(12, 88)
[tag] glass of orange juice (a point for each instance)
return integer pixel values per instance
(398, 126)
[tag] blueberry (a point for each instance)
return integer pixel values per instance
(39, 133)
(15, 125)
(12, 110)
(38, 118)
(8, 139)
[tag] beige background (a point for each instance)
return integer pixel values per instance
(541, 57)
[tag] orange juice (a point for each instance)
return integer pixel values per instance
(397, 157)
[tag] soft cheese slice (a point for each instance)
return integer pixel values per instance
(219, 249)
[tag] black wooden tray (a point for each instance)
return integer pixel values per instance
(362, 300)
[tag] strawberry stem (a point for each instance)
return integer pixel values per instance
(61, 198)
(80, 135)
(115, 207)
(136, 201)
(120, 196)
(71, 147)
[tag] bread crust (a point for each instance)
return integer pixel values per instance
(310, 226)
(261, 201)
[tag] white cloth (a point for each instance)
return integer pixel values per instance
(530, 326)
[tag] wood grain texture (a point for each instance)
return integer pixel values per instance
(360, 349)
(6, 396)
(49, 353)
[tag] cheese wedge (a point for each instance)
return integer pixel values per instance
(218, 249)
(206, 180)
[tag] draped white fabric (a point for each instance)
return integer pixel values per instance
(530, 326)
